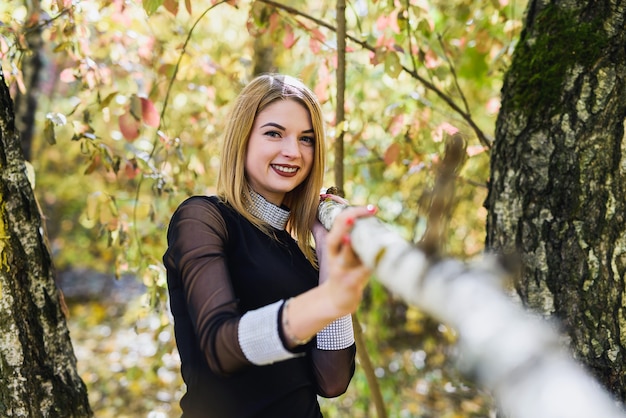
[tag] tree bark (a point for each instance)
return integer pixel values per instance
(558, 176)
(38, 376)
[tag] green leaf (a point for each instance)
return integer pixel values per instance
(150, 6)
(393, 67)
(48, 132)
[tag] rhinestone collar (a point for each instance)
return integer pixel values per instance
(274, 215)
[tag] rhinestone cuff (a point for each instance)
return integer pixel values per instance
(259, 338)
(337, 335)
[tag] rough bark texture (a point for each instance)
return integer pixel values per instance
(558, 176)
(38, 376)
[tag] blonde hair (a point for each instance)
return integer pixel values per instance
(232, 185)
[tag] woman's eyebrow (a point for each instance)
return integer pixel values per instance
(277, 126)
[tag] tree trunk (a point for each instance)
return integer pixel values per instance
(32, 65)
(558, 176)
(38, 376)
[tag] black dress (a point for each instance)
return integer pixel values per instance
(220, 266)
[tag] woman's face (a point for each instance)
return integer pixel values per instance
(280, 150)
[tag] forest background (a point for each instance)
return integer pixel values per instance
(130, 102)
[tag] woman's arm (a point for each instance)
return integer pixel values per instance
(333, 370)
(197, 272)
(326, 309)
(342, 280)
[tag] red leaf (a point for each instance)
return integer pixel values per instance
(129, 126)
(130, 169)
(392, 153)
(274, 22)
(397, 124)
(290, 39)
(67, 75)
(317, 34)
(315, 46)
(171, 6)
(188, 6)
(149, 113)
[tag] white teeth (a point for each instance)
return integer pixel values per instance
(285, 169)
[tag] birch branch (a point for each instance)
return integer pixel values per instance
(511, 352)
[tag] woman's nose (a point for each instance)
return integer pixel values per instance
(291, 147)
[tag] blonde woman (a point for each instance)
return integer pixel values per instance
(260, 331)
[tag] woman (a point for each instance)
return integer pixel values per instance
(260, 331)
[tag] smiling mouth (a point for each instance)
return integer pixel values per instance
(285, 169)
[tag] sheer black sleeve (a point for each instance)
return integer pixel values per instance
(333, 370)
(199, 281)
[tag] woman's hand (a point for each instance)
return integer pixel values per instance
(342, 276)
(319, 235)
(341, 270)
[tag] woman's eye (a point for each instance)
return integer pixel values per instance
(273, 134)
(308, 140)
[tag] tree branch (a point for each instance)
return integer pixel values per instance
(413, 73)
(518, 356)
(162, 117)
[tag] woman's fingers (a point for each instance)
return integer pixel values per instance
(347, 275)
(339, 235)
(334, 197)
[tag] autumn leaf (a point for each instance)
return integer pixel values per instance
(290, 39)
(149, 113)
(67, 75)
(317, 34)
(130, 169)
(315, 46)
(392, 153)
(129, 126)
(275, 22)
(95, 163)
(171, 6)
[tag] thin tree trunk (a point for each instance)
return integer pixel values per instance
(362, 352)
(263, 55)
(32, 66)
(38, 376)
(558, 176)
(341, 88)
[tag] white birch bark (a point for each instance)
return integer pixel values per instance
(513, 353)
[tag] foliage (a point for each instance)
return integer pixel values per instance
(134, 99)
(127, 358)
